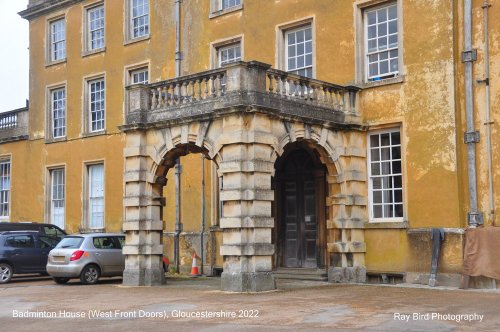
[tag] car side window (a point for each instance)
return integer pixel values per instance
(20, 241)
(47, 242)
(121, 240)
(52, 231)
(105, 243)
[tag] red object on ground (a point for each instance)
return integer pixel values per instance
(194, 267)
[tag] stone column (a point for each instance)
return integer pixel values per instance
(143, 226)
(246, 197)
(347, 205)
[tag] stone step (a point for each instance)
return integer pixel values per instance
(301, 274)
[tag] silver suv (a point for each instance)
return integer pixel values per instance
(88, 257)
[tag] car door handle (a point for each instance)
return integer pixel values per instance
(97, 254)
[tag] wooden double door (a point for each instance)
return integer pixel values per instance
(300, 185)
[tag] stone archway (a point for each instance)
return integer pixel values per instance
(343, 155)
(245, 146)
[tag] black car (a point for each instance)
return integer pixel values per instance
(23, 252)
(43, 229)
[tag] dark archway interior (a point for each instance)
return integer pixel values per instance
(299, 208)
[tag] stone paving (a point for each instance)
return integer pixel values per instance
(199, 305)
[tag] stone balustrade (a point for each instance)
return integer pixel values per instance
(244, 85)
(309, 91)
(187, 89)
(14, 125)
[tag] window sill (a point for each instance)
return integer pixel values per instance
(55, 140)
(136, 40)
(92, 52)
(54, 63)
(92, 134)
(387, 81)
(386, 225)
(225, 11)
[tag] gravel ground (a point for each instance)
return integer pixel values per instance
(37, 304)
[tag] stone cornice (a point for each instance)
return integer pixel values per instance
(38, 8)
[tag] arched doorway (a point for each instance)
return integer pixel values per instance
(300, 209)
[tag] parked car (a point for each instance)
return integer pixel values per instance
(23, 252)
(89, 257)
(43, 229)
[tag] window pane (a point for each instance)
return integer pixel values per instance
(384, 139)
(393, 14)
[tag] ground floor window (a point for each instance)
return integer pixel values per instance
(96, 196)
(4, 187)
(385, 175)
(57, 197)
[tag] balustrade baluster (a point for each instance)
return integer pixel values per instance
(270, 76)
(153, 98)
(278, 84)
(218, 91)
(212, 86)
(198, 84)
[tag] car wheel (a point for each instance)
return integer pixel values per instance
(60, 281)
(5, 273)
(90, 275)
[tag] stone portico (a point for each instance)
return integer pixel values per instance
(243, 117)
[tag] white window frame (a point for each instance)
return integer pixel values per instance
(91, 103)
(391, 57)
(58, 113)
(362, 67)
(95, 189)
(227, 48)
(132, 19)
(230, 4)
(294, 31)
(5, 188)
(135, 76)
(218, 7)
(90, 29)
(57, 47)
(57, 196)
(390, 175)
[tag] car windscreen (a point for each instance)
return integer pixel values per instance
(71, 242)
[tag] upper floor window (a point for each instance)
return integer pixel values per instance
(95, 28)
(225, 4)
(386, 180)
(228, 54)
(381, 42)
(58, 112)
(299, 51)
(139, 76)
(96, 104)
(139, 18)
(57, 40)
(4, 187)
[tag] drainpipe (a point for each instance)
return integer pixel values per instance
(178, 224)
(178, 54)
(471, 136)
(488, 122)
(202, 209)
(178, 168)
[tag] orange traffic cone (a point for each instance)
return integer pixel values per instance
(194, 267)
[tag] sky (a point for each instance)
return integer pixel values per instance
(14, 57)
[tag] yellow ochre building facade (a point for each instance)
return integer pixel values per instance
(308, 139)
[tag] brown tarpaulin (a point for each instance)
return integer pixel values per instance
(482, 252)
